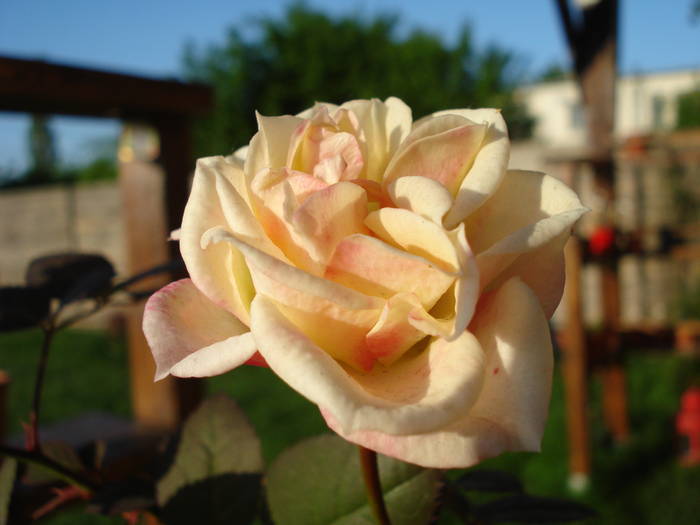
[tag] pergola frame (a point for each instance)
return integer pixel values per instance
(30, 86)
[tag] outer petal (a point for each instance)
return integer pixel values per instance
(512, 406)
(525, 240)
(415, 394)
(190, 336)
(519, 360)
(488, 167)
(511, 221)
(216, 272)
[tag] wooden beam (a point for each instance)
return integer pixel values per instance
(32, 86)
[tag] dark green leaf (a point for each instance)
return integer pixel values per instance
(215, 478)
(8, 471)
(63, 454)
(489, 481)
(318, 482)
(22, 307)
(71, 276)
(122, 496)
(522, 508)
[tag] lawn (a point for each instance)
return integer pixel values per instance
(637, 483)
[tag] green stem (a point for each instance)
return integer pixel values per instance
(370, 473)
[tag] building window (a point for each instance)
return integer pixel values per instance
(576, 115)
(658, 105)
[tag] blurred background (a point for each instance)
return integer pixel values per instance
(105, 106)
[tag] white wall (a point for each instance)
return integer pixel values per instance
(555, 104)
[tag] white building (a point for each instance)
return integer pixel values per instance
(645, 103)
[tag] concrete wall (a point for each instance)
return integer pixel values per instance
(40, 221)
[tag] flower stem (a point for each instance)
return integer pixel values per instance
(33, 438)
(37, 458)
(370, 473)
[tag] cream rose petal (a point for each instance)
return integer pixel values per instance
(416, 235)
(426, 197)
(415, 394)
(383, 126)
(373, 267)
(209, 269)
(192, 337)
(328, 216)
(442, 148)
(525, 240)
(511, 410)
(488, 168)
(335, 317)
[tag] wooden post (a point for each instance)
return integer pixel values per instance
(574, 368)
(153, 404)
(592, 39)
(161, 404)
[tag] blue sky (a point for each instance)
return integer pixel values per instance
(147, 38)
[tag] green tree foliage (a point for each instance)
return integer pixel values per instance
(42, 151)
(554, 72)
(306, 56)
(688, 110)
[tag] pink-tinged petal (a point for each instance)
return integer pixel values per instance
(294, 278)
(441, 149)
(328, 216)
(515, 337)
(215, 271)
(308, 112)
(415, 234)
(326, 148)
(426, 197)
(303, 185)
(275, 202)
(383, 126)
(192, 337)
(339, 158)
(459, 445)
(375, 193)
(334, 317)
(488, 168)
(510, 412)
(373, 267)
(240, 218)
(416, 394)
(393, 334)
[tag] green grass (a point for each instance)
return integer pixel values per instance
(636, 483)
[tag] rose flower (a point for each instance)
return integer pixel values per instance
(394, 273)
